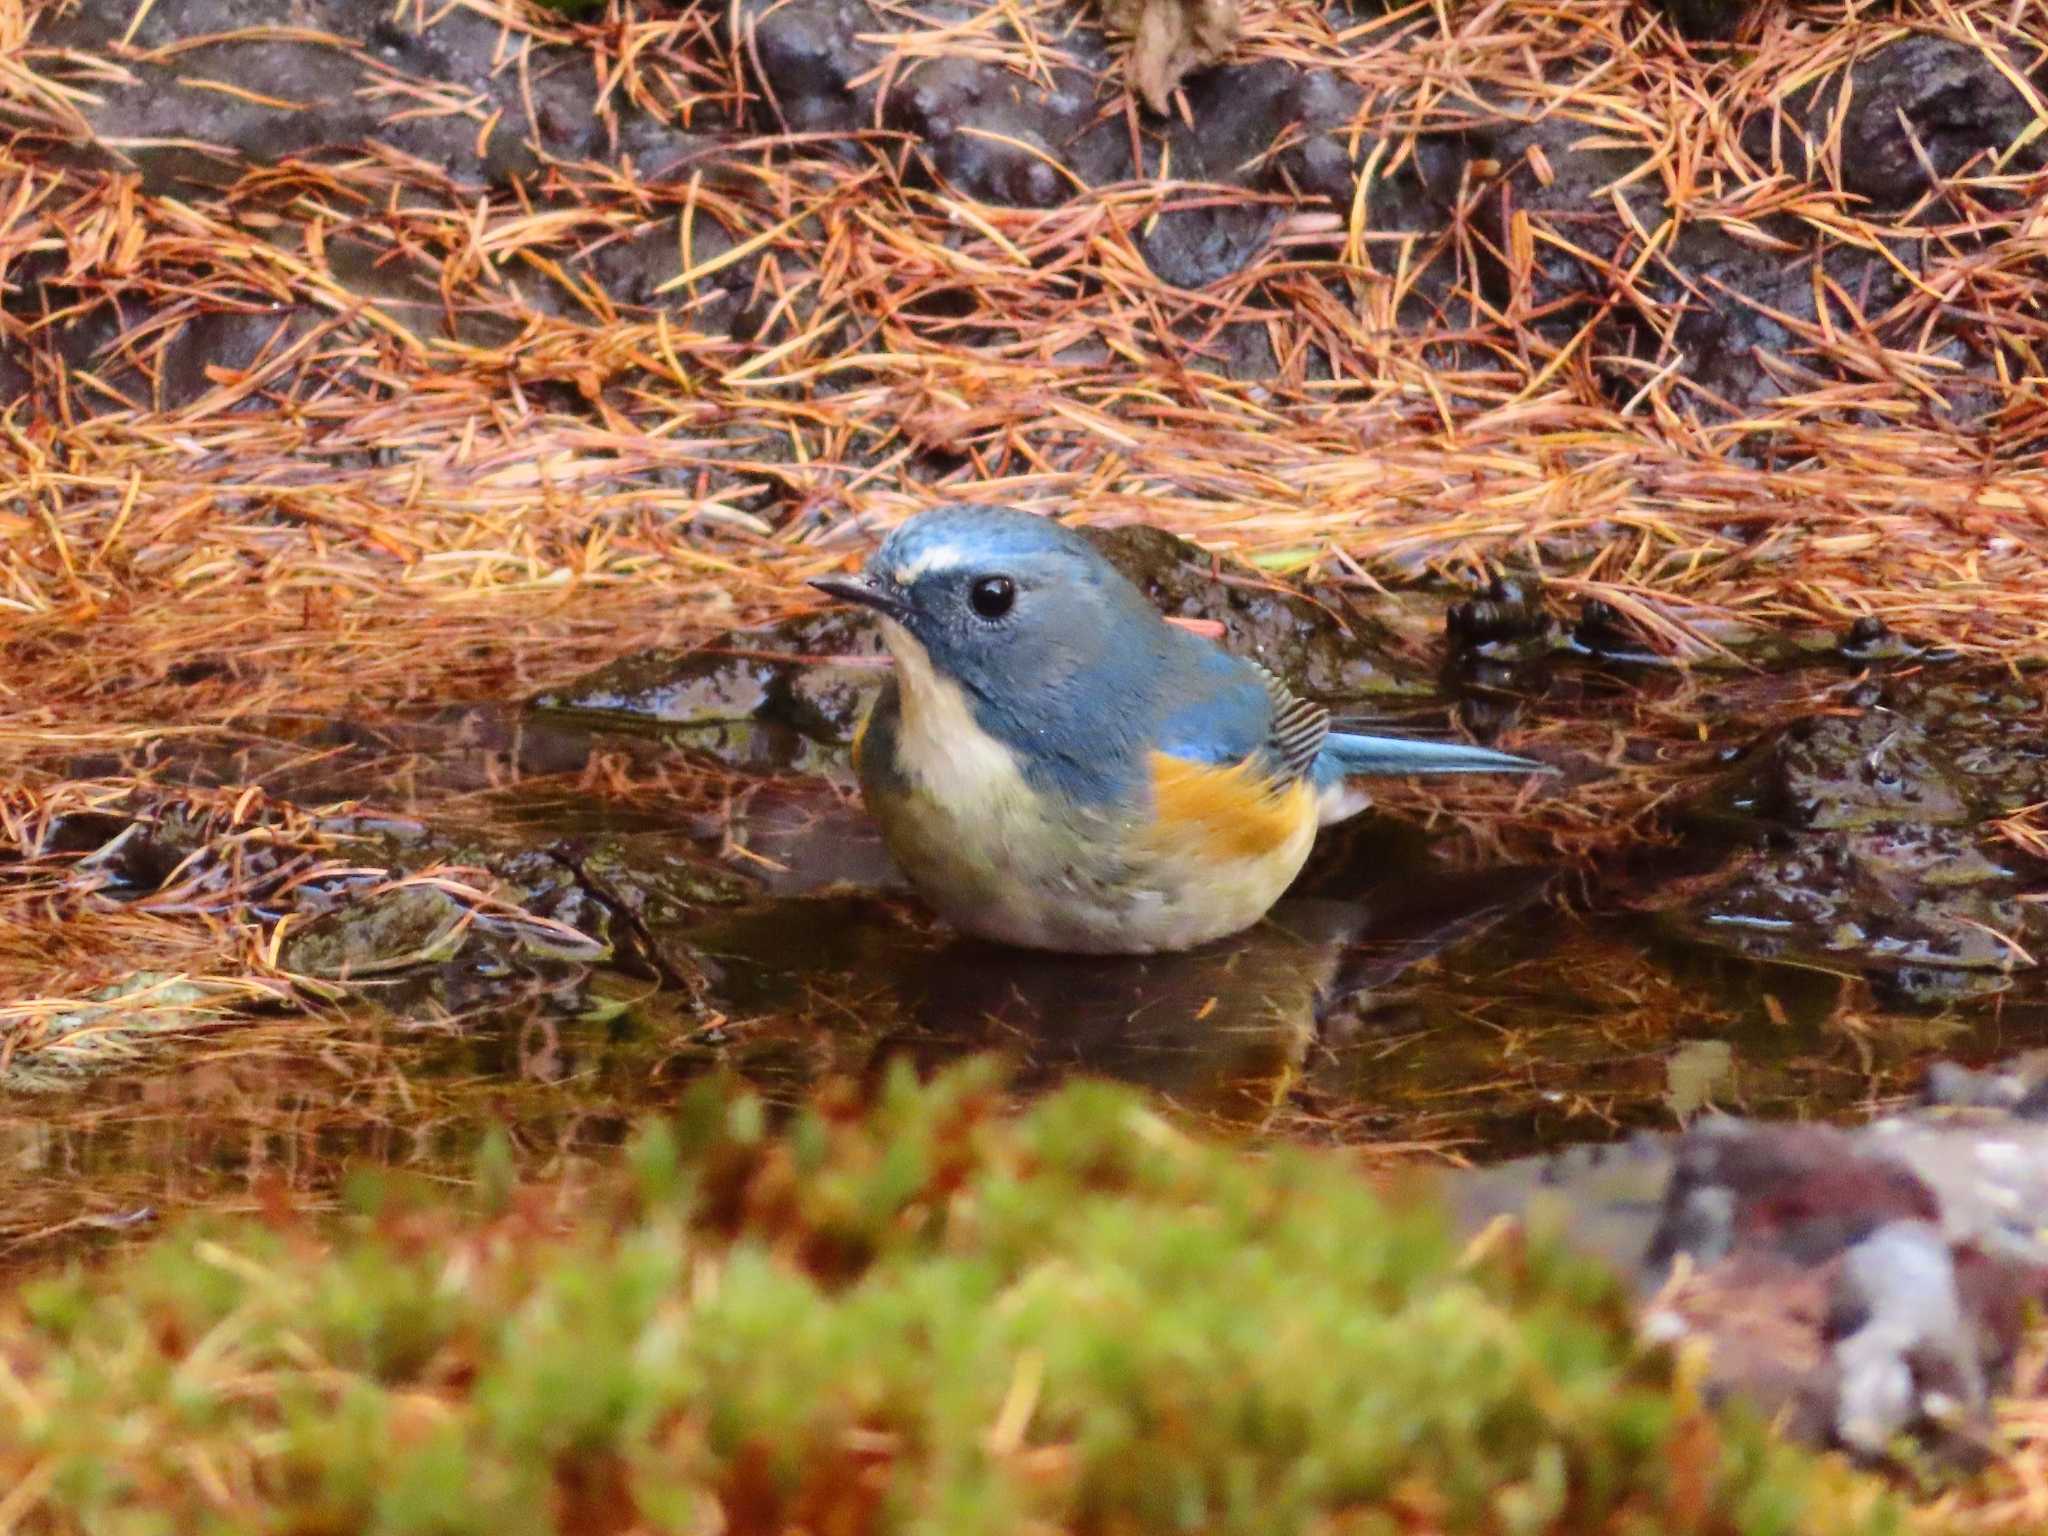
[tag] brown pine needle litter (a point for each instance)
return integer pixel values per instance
(338, 436)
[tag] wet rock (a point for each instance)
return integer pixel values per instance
(1881, 899)
(1603, 631)
(1877, 129)
(1871, 639)
(1508, 615)
(1295, 635)
(1836, 771)
(413, 925)
(764, 699)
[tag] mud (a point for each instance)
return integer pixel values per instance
(326, 91)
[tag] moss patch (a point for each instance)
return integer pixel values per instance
(912, 1314)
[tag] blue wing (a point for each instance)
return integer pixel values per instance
(1230, 709)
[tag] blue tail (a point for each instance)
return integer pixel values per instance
(1345, 756)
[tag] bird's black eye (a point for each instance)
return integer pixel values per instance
(992, 596)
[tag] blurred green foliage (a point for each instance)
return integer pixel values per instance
(913, 1314)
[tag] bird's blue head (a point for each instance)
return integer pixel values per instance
(1042, 633)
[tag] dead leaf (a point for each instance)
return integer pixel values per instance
(1170, 38)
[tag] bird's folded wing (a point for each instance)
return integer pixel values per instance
(1236, 711)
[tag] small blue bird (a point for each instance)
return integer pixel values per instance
(1055, 766)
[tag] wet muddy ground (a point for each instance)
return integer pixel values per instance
(1780, 882)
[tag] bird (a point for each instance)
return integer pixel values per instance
(1054, 766)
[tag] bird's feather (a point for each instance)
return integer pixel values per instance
(1234, 711)
(1345, 753)
(1296, 732)
(1232, 813)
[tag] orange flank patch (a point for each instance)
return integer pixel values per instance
(1235, 812)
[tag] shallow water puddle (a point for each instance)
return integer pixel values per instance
(1779, 891)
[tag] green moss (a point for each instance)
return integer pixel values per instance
(910, 1315)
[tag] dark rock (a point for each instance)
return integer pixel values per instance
(112, 352)
(1736, 354)
(1602, 631)
(1751, 329)
(634, 267)
(1269, 128)
(1871, 639)
(767, 699)
(1917, 105)
(1314, 156)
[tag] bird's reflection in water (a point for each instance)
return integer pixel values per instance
(1221, 1031)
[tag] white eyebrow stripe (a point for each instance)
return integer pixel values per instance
(940, 557)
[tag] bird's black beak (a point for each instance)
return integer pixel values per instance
(866, 590)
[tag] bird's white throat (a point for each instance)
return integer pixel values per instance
(939, 743)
